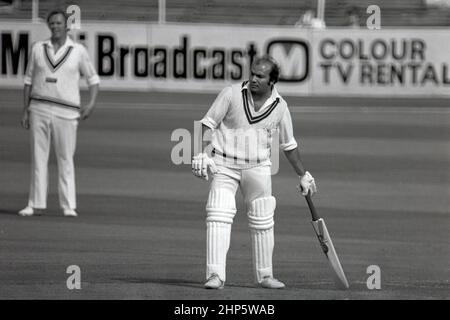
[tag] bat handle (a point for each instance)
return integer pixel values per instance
(314, 214)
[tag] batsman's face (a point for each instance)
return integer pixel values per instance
(57, 26)
(260, 78)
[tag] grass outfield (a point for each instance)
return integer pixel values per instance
(382, 173)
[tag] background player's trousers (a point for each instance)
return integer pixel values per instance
(43, 129)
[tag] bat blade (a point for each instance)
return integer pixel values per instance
(330, 252)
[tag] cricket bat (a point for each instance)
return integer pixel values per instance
(327, 245)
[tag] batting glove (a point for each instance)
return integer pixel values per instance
(200, 165)
(307, 184)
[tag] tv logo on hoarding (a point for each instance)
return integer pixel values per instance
(293, 58)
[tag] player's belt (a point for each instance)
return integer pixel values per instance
(224, 155)
(54, 101)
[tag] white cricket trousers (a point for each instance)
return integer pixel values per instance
(63, 132)
(256, 185)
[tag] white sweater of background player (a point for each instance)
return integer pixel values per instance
(55, 77)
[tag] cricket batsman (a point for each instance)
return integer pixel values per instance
(243, 119)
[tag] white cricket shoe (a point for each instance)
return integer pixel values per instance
(214, 282)
(27, 211)
(70, 213)
(30, 211)
(271, 283)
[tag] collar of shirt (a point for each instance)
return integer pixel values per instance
(266, 104)
(69, 43)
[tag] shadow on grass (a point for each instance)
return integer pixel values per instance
(9, 211)
(181, 282)
(171, 282)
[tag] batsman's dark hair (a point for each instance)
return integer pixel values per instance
(275, 68)
(54, 12)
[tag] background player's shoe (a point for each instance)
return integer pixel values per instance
(271, 283)
(70, 213)
(29, 211)
(214, 282)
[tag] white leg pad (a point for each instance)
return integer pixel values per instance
(221, 209)
(261, 225)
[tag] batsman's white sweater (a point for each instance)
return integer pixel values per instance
(242, 137)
